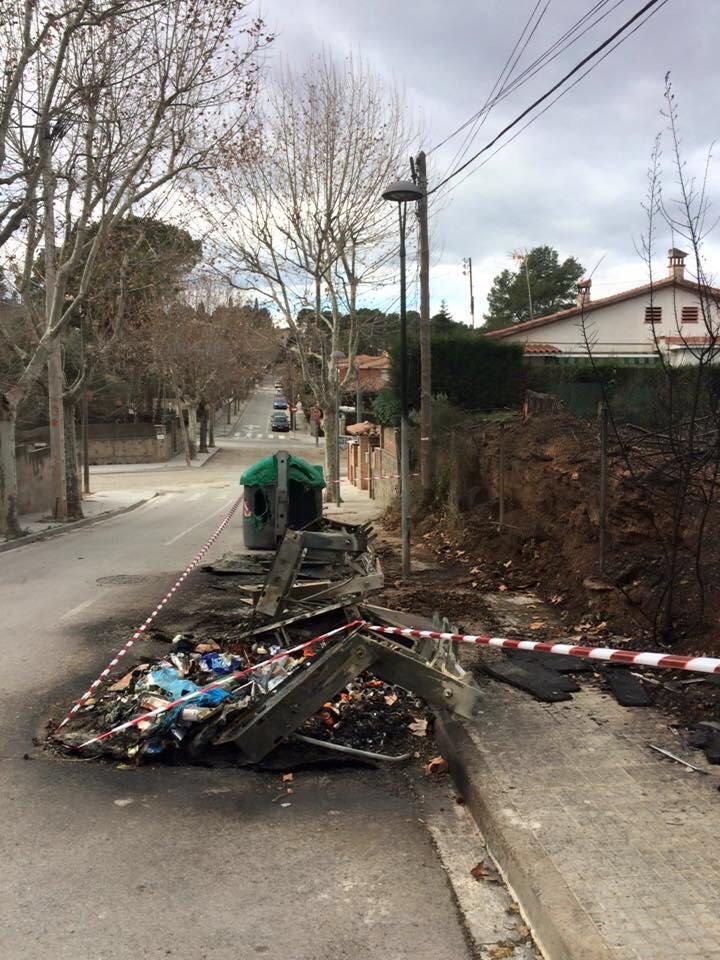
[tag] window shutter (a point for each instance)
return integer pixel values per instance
(689, 314)
(653, 314)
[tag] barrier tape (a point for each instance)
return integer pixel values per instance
(237, 675)
(141, 629)
(642, 659)
(389, 476)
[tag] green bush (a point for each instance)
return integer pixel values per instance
(472, 371)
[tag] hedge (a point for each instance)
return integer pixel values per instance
(472, 371)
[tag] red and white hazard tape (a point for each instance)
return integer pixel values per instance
(389, 476)
(237, 675)
(640, 659)
(143, 627)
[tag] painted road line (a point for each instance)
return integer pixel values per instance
(79, 608)
(183, 533)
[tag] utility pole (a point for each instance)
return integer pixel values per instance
(358, 395)
(425, 334)
(523, 257)
(467, 270)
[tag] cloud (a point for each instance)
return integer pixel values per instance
(576, 178)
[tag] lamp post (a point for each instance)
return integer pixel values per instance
(403, 192)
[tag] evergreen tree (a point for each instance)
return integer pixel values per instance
(552, 285)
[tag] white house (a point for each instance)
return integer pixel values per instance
(671, 314)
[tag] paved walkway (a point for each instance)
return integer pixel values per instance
(613, 851)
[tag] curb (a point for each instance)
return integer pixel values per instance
(160, 468)
(65, 527)
(560, 926)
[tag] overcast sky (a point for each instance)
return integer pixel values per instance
(576, 178)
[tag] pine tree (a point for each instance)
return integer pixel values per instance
(552, 285)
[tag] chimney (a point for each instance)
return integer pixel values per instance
(582, 297)
(676, 264)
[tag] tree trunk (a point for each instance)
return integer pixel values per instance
(57, 431)
(203, 412)
(211, 429)
(9, 525)
(192, 429)
(330, 429)
(181, 418)
(72, 470)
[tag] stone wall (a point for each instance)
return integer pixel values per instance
(131, 442)
(33, 479)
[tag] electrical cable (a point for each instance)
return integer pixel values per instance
(546, 108)
(545, 58)
(556, 86)
(478, 121)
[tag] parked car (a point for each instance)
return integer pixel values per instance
(279, 424)
(280, 403)
(278, 384)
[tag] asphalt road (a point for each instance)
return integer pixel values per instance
(105, 863)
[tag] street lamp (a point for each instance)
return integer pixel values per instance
(403, 192)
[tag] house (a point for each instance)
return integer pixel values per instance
(628, 327)
(374, 373)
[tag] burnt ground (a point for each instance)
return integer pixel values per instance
(472, 586)
(550, 539)
(368, 715)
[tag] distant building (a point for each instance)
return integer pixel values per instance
(374, 373)
(621, 327)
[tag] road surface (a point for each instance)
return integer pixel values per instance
(105, 863)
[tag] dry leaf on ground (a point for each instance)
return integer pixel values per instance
(436, 765)
(485, 871)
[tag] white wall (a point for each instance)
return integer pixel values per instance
(618, 328)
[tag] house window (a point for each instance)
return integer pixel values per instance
(689, 315)
(653, 314)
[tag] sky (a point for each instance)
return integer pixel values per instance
(577, 177)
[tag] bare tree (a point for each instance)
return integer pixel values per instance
(675, 461)
(107, 105)
(304, 225)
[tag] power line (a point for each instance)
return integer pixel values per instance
(477, 122)
(544, 110)
(550, 54)
(590, 56)
(499, 79)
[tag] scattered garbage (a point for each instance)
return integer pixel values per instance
(299, 664)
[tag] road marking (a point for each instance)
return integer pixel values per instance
(79, 608)
(169, 543)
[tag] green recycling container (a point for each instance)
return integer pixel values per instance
(305, 484)
(259, 517)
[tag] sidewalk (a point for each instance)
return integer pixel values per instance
(356, 506)
(96, 506)
(612, 851)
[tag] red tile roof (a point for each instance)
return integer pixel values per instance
(541, 348)
(688, 341)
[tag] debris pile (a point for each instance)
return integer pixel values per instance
(299, 664)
